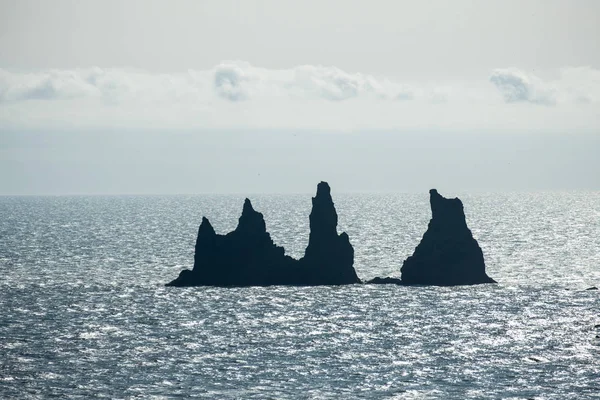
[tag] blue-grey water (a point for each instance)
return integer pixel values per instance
(84, 313)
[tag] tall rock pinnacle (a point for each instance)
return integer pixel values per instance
(323, 218)
(329, 256)
(448, 254)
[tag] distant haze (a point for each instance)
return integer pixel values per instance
(273, 96)
(293, 162)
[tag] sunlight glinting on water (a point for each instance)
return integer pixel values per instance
(84, 310)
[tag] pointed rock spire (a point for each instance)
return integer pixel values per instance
(329, 256)
(247, 207)
(323, 217)
(448, 254)
(251, 221)
(206, 229)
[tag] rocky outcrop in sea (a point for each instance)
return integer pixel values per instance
(247, 256)
(448, 254)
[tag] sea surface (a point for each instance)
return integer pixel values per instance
(84, 313)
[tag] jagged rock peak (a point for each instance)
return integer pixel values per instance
(206, 228)
(448, 254)
(247, 207)
(248, 257)
(329, 256)
(251, 220)
(444, 211)
(323, 217)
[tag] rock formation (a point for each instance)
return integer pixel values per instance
(448, 254)
(248, 257)
(384, 281)
(329, 257)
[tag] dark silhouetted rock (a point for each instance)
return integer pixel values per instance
(592, 288)
(384, 281)
(329, 257)
(248, 257)
(245, 257)
(448, 254)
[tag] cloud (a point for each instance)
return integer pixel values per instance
(50, 85)
(236, 94)
(334, 84)
(516, 86)
(574, 85)
(231, 81)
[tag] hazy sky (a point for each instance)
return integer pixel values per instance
(428, 40)
(94, 93)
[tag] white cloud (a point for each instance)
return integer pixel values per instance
(516, 86)
(232, 81)
(573, 86)
(334, 84)
(50, 85)
(238, 95)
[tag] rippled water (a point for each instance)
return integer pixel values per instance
(83, 310)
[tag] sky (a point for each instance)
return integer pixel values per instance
(274, 96)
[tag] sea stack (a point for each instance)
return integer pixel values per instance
(448, 254)
(329, 257)
(245, 257)
(248, 257)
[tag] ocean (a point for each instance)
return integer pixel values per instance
(84, 311)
